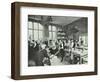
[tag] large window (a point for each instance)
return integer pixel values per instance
(35, 31)
(52, 32)
(30, 33)
(84, 37)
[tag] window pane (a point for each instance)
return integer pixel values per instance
(30, 35)
(50, 28)
(59, 29)
(54, 35)
(40, 27)
(29, 24)
(50, 35)
(40, 35)
(86, 40)
(35, 34)
(35, 25)
(53, 28)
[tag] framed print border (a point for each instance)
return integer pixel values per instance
(15, 39)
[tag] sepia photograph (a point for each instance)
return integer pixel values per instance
(57, 40)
